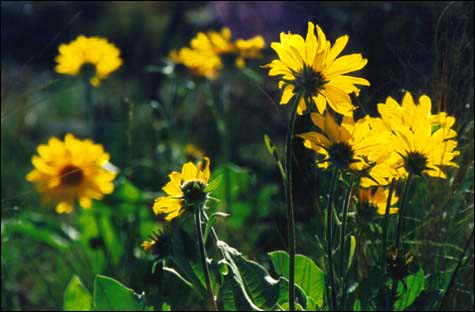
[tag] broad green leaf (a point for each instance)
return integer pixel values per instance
(213, 184)
(76, 296)
(239, 179)
(307, 274)
(127, 191)
(110, 295)
(30, 230)
(231, 296)
(352, 251)
(426, 301)
(406, 296)
(253, 284)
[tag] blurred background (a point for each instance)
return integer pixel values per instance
(151, 120)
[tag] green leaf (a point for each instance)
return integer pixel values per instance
(213, 184)
(77, 297)
(211, 222)
(34, 232)
(307, 274)
(127, 191)
(352, 252)
(406, 296)
(252, 286)
(426, 301)
(110, 295)
(273, 151)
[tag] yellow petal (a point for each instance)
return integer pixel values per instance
(189, 171)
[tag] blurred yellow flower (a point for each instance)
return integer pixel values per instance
(97, 51)
(423, 142)
(312, 66)
(248, 49)
(71, 170)
(374, 201)
(194, 151)
(347, 146)
(185, 188)
(204, 56)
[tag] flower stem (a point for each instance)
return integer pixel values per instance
(346, 205)
(385, 235)
(402, 209)
(204, 263)
(331, 277)
(289, 200)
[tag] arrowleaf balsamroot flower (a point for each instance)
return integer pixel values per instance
(97, 51)
(205, 55)
(351, 145)
(313, 66)
(70, 170)
(184, 189)
(373, 201)
(423, 143)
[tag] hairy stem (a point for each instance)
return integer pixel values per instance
(204, 263)
(289, 200)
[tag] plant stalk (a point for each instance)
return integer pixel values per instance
(331, 277)
(346, 206)
(402, 209)
(385, 236)
(289, 200)
(204, 263)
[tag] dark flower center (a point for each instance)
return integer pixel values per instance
(415, 163)
(341, 155)
(309, 81)
(398, 264)
(194, 191)
(71, 175)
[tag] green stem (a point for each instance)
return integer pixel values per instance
(346, 205)
(452, 278)
(289, 200)
(331, 277)
(204, 263)
(385, 236)
(402, 209)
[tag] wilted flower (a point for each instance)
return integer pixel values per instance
(71, 170)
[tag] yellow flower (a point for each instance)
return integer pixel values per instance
(423, 142)
(204, 56)
(185, 188)
(313, 66)
(97, 51)
(71, 170)
(347, 146)
(248, 49)
(375, 200)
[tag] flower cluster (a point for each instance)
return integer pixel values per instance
(205, 55)
(96, 51)
(406, 139)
